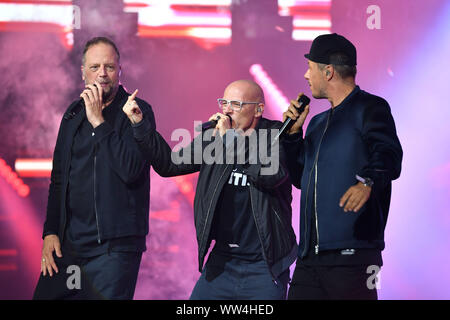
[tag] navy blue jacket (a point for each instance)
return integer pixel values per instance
(357, 137)
(121, 174)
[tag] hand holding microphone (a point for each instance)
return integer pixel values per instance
(223, 123)
(297, 111)
(93, 101)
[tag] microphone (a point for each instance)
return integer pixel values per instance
(209, 124)
(70, 115)
(287, 124)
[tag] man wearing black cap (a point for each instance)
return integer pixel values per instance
(344, 167)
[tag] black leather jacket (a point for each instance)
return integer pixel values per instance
(270, 195)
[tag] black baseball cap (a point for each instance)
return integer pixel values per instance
(326, 44)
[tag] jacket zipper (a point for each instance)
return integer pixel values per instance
(316, 247)
(279, 219)
(95, 195)
(210, 205)
(65, 197)
(306, 215)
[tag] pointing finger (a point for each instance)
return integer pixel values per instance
(133, 96)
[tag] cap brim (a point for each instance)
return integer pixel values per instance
(315, 59)
(310, 58)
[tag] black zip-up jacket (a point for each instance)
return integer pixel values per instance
(357, 137)
(121, 174)
(270, 195)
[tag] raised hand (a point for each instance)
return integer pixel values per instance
(132, 109)
(92, 97)
(293, 113)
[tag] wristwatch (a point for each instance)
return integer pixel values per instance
(365, 181)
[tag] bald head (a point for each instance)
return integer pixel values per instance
(251, 96)
(248, 89)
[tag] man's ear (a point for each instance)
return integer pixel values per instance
(82, 73)
(329, 72)
(259, 110)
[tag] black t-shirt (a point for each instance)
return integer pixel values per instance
(234, 226)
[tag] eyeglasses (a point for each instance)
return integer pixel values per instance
(235, 105)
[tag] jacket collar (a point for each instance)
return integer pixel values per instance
(348, 98)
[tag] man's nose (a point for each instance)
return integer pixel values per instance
(102, 71)
(227, 109)
(306, 75)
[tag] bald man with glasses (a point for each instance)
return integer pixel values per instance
(246, 210)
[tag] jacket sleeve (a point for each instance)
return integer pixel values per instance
(271, 172)
(122, 151)
(295, 156)
(52, 220)
(383, 145)
(158, 152)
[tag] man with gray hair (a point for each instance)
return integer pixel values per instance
(98, 203)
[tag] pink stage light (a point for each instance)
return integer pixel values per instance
(13, 180)
(8, 266)
(209, 22)
(273, 94)
(57, 16)
(310, 17)
(42, 168)
(206, 22)
(186, 186)
(25, 228)
(171, 215)
(35, 168)
(8, 252)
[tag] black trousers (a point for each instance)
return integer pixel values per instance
(331, 283)
(112, 275)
